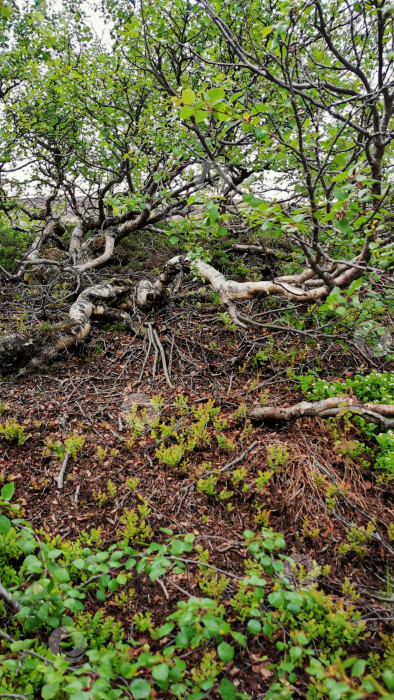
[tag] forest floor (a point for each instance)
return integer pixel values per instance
(316, 491)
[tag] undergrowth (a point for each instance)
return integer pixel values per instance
(376, 387)
(299, 632)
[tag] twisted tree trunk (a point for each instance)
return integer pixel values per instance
(18, 350)
(305, 287)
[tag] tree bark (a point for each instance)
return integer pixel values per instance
(18, 350)
(336, 405)
(305, 287)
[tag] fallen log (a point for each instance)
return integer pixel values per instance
(333, 406)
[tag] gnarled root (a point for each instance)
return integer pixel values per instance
(17, 350)
(305, 287)
(380, 414)
(149, 293)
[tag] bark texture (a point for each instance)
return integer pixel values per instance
(18, 350)
(380, 414)
(305, 287)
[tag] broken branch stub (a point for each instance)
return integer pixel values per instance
(150, 293)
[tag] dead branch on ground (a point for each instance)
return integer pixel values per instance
(380, 414)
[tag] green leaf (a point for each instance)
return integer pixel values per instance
(5, 11)
(186, 112)
(21, 644)
(254, 626)
(302, 639)
(216, 94)
(341, 311)
(227, 690)
(340, 194)
(257, 581)
(265, 31)
(358, 668)
(5, 525)
(7, 491)
(343, 226)
(50, 690)
(248, 534)
(177, 547)
(213, 213)
(281, 29)
(211, 623)
(226, 652)
(54, 553)
(175, 673)
(188, 97)
(79, 563)
(276, 599)
(295, 653)
(160, 672)
(32, 564)
(61, 574)
(240, 638)
(140, 688)
(388, 678)
(165, 629)
(73, 605)
(260, 133)
(200, 115)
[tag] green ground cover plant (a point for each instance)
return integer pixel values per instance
(308, 631)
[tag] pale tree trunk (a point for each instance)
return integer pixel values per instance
(305, 287)
(76, 240)
(101, 259)
(17, 349)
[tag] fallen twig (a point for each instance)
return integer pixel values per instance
(9, 599)
(60, 478)
(163, 357)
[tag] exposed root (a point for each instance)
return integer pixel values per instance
(305, 287)
(17, 350)
(148, 293)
